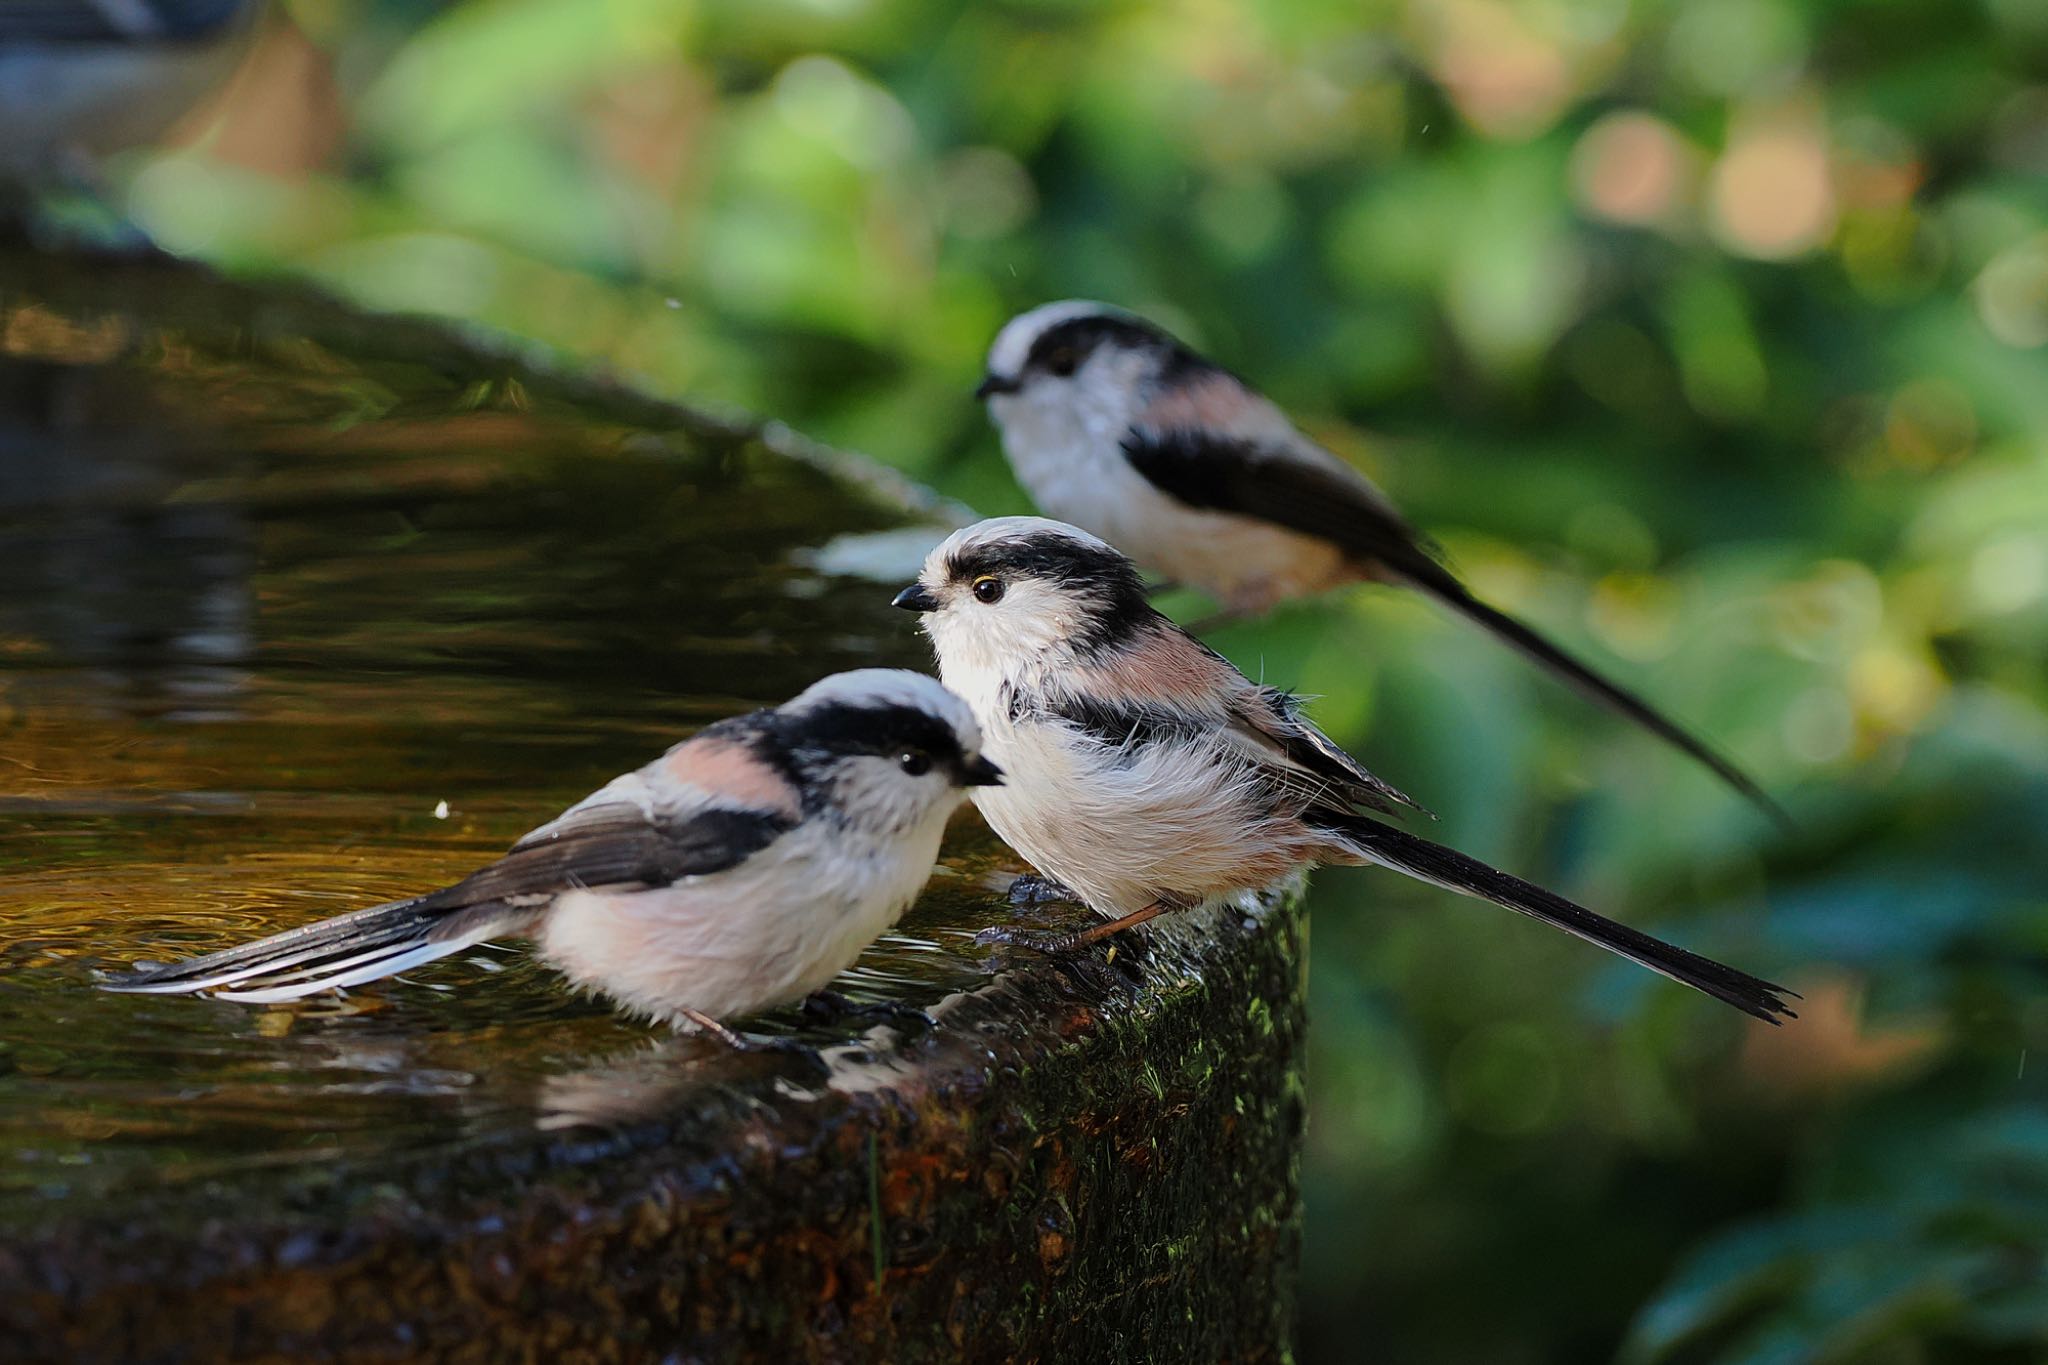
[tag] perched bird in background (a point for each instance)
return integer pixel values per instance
(81, 79)
(741, 870)
(1115, 426)
(1146, 774)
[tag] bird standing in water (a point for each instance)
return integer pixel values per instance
(743, 869)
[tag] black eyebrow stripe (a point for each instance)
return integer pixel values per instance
(1055, 557)
(1085, 334)
(799, 746)
(840, 728)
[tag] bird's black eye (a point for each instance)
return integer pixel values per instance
(988, 590)
(916, 762)
(1063, 362)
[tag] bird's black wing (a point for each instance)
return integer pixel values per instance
(1233, 474)
(1276, 716)
(1121, 725)
(615, 844)
(1290, 752)
(1252, 480)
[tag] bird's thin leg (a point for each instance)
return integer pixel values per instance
(733, 1040)
(740, 1042)
(1071, 941)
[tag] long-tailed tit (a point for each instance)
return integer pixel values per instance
(743, 869)
(1115, 426)
(1146, 774)
(92, 77)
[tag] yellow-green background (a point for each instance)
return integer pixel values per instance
(1711, 336)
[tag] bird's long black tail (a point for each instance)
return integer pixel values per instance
(348, 950)
(1446, 589)
(1454, 871)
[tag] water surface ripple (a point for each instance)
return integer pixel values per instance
(283, 634)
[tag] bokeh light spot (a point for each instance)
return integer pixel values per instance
(1507, 76)
(1770, 190)
(2011, 294)
(1243, 215)
(1930, 422)
(986, 192)
(1818, 725)
(825, 98)
(1830, 613)
(1892, 690)
(2009, 573)
(1737, 47)
(1635, 615)
(1631, 168)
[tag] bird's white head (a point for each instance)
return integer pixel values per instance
(1078, 371)
(882, 747)
(1012, 593)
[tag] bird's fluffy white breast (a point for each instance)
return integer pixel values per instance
(1123, 829)
(1167, 819)
(778, 926)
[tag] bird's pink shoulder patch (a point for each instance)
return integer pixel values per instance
(733, 771)
(1210, 401)
(1162, 666)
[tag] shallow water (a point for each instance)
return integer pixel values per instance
(283, 634)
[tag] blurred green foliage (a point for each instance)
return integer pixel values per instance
(1712, 336)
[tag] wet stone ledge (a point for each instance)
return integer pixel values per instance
(1078, 1162)
(305, 609)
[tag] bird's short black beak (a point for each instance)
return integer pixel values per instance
(916, 597)
(981, 773)
(991, 384)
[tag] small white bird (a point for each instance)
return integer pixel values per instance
(85, 78)
(741, 870)
(1147, 774)
(1117, 427)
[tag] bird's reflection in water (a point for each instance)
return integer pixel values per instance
(671, 1075)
